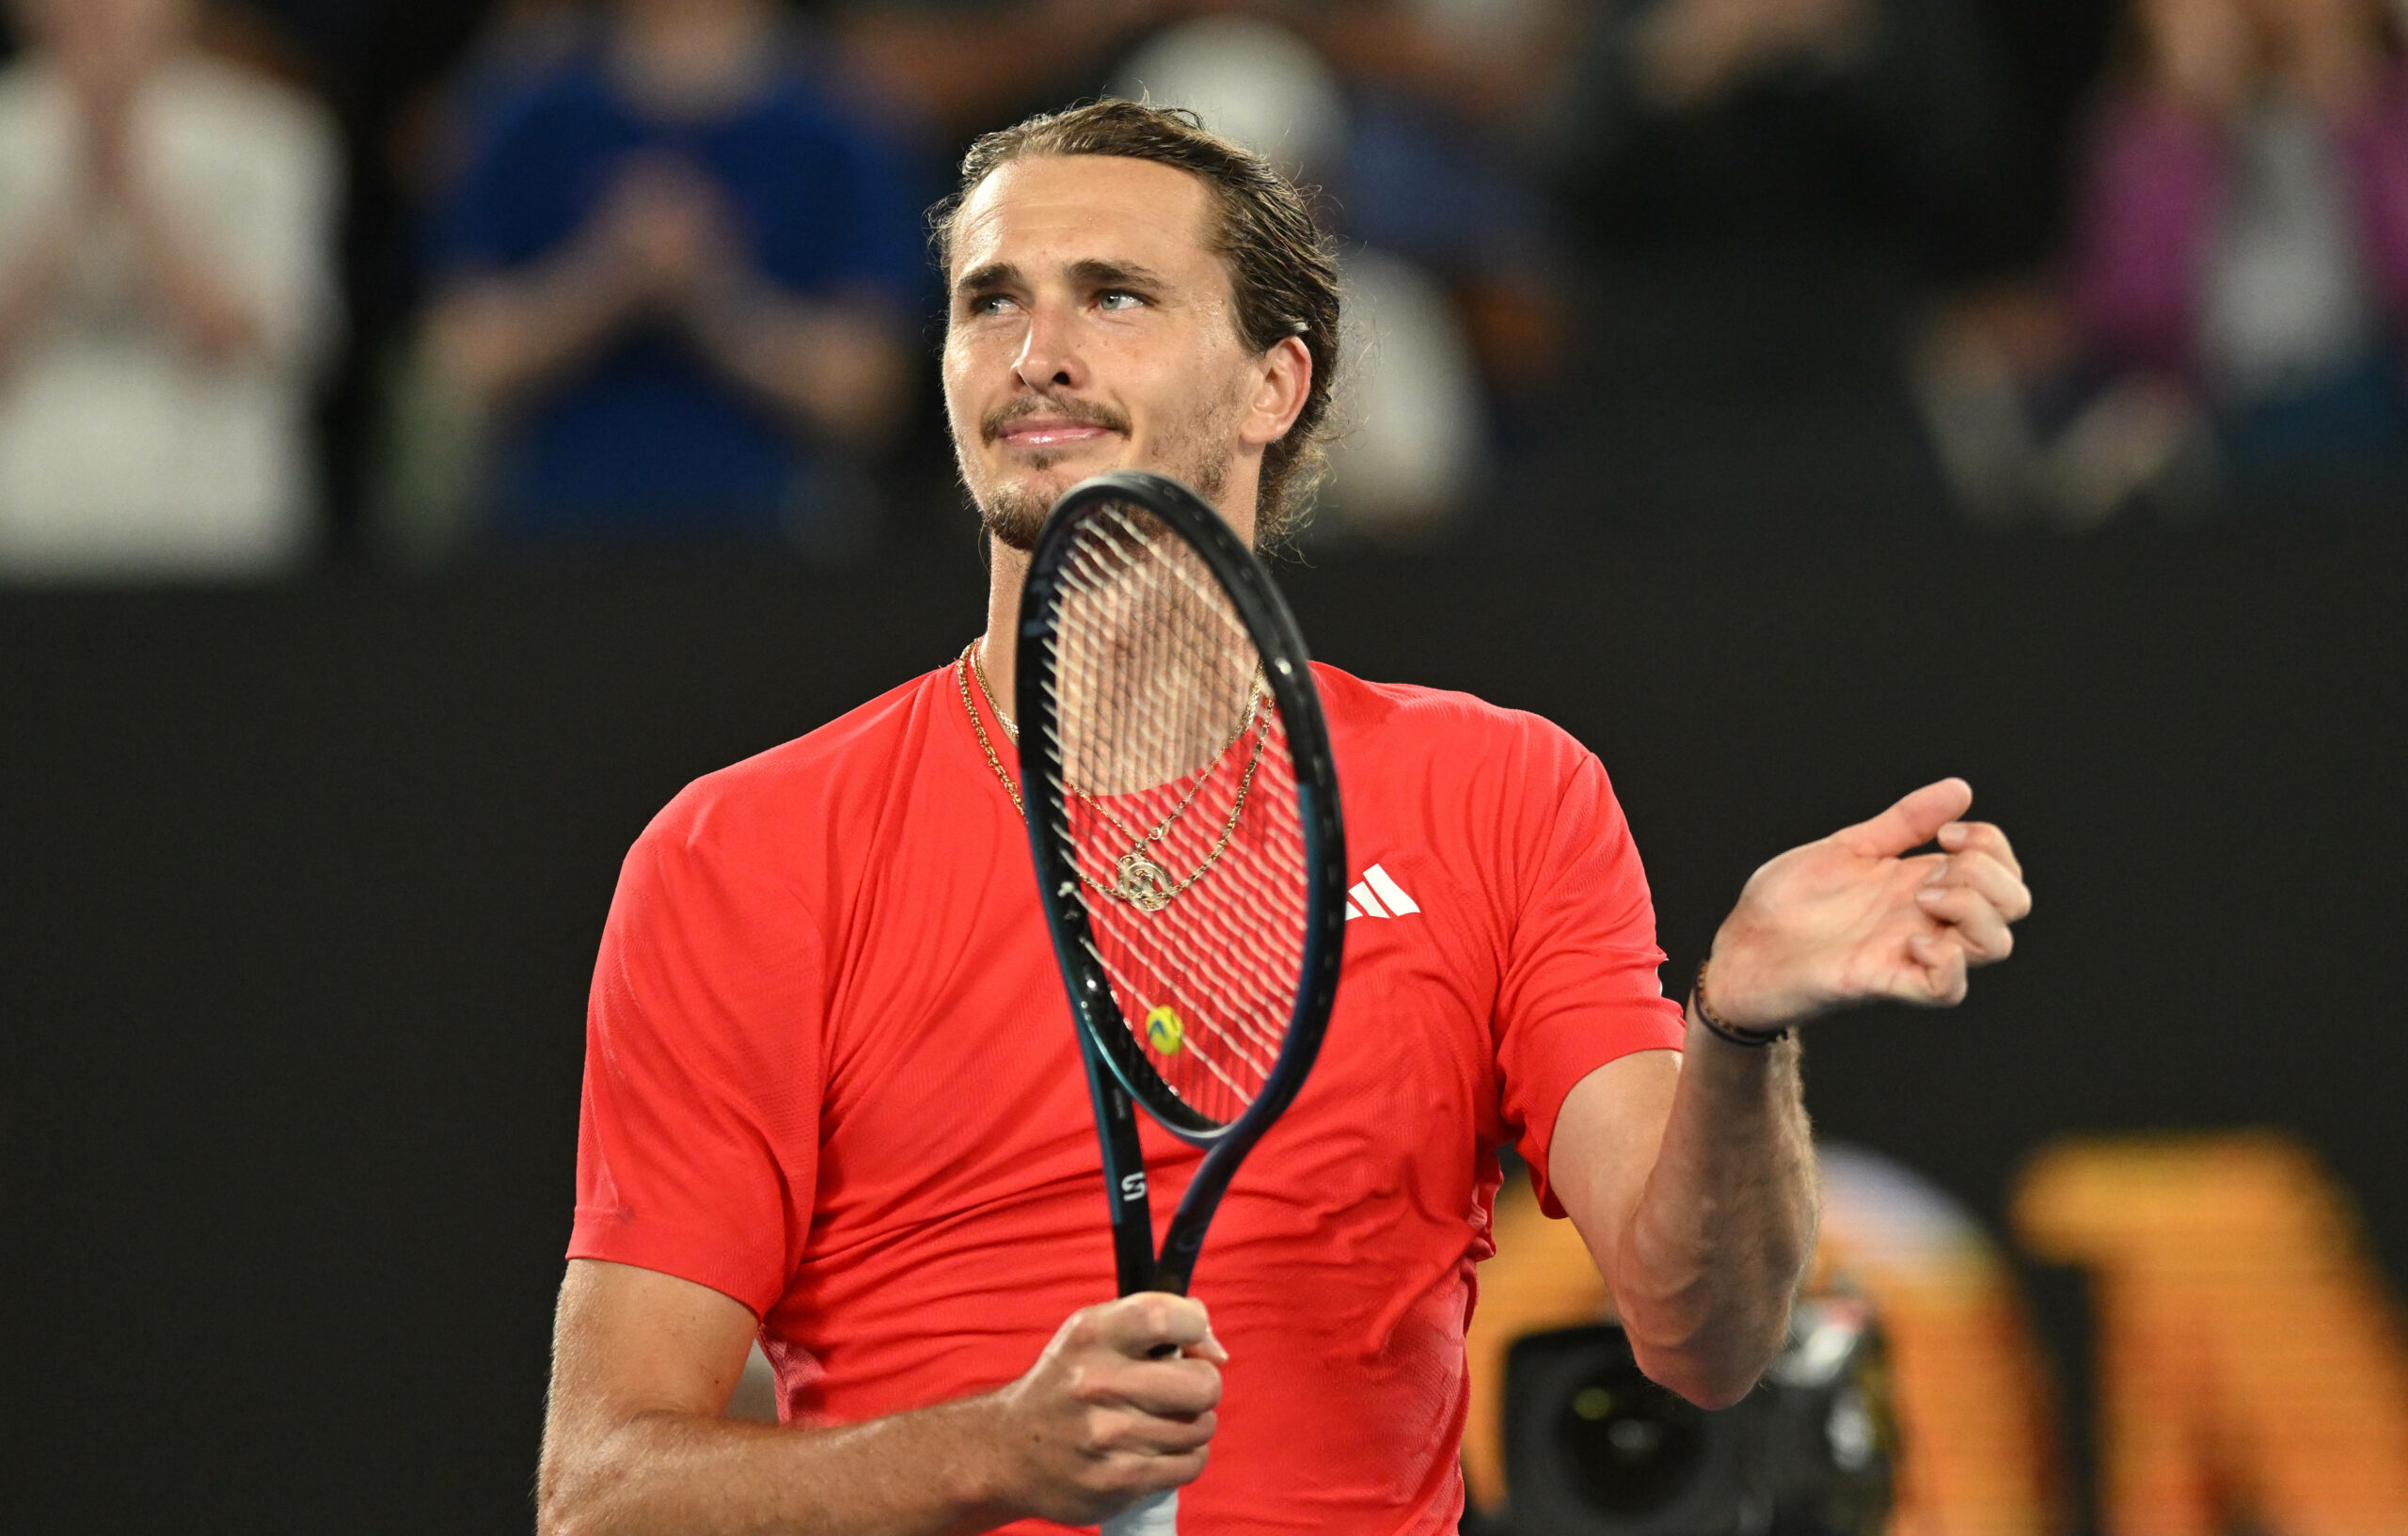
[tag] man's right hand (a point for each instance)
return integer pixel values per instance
(637, 1441)
(1118, 1406)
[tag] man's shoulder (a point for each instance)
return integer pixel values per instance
(1441, 722)
(822, 778)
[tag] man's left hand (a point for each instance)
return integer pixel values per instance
(1853, 919)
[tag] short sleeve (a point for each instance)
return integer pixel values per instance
(697, 1147)
(1580, 986)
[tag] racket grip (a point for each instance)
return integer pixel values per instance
(1156, 1514)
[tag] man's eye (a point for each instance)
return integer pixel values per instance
(987, 304)
(1119, 298)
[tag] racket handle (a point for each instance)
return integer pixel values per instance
(1156, 1514)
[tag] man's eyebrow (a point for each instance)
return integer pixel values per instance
(994, 275)
(1095, 272)
(1101, 274)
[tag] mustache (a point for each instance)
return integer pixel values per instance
(1085, 413)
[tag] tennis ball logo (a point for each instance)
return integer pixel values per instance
(1164, 1031)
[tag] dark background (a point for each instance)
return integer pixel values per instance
(302, 885)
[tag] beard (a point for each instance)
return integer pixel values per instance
(1195, 451)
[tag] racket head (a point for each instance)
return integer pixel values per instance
(1163, 689)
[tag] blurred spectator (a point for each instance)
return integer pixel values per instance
(2029, 432)
(2242, 244)
(1408, 409)
(165, 295)
(1769, 187)
(1437, 172)
(678, 275)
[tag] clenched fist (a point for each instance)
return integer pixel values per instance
(1117, 1407)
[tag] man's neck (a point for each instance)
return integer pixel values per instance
(1006, 572)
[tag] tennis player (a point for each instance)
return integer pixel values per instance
(832, 1098)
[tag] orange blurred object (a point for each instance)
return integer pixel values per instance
(2250, 1361)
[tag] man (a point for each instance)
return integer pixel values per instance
(832, 1097)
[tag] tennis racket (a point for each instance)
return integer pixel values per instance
(1183, 814)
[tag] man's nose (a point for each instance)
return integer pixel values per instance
(1049, 353)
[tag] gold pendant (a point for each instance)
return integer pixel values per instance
(1142, 883)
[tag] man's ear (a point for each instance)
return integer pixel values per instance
(1279, 397)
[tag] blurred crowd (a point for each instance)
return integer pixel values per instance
(287, 280)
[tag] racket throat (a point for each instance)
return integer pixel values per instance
(1124, 1178)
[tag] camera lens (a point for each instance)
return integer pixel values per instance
(1628, 1445)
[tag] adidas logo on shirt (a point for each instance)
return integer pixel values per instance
(1377, 894)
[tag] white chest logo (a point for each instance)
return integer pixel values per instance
(1377, 894)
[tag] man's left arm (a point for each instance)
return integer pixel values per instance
(1691, 1177)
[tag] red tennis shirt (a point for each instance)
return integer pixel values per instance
(831, 1072)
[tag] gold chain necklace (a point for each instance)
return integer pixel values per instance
(1138, 879)
(978, 652)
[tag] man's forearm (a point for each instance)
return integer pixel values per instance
(1724, 1230)
(635, 1442)
(929, 1472)
(1705, 1250)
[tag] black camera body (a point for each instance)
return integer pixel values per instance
(1593, 1448)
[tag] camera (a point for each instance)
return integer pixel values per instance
(1593, 1448)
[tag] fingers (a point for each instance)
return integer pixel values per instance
(2002, 887)
(1100, 1419)
(1116, 1362)
(1148, 1422)
(1972, 920)
(1128, 1480)
(1960, 838)
(1941, 961)
(1976, 890)
(1139, 1325)
(1136, 1433)
(1128, 1457)
(1910, 823)
(1173, 1389)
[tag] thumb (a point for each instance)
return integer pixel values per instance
(1910, 823)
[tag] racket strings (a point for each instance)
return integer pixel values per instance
(1177, 784)
(1150, 610)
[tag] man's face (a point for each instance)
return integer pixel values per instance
(1091, 330)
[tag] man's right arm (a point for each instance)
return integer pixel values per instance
(637, 1441)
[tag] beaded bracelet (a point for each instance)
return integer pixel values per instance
(1754, 1039)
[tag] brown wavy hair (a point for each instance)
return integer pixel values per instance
(1283, 272)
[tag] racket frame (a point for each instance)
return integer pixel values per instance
(1118, 1074)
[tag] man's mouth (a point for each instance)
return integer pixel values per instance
(1037, 434)
(1051, 428)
